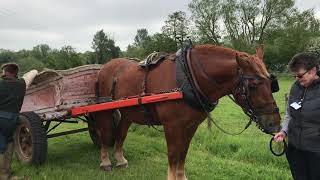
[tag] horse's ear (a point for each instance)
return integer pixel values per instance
(260, 52)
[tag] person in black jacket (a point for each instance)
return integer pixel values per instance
(12, 92)
(302, 120)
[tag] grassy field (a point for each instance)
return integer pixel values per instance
(212, 154)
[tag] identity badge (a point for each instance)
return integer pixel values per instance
(296, 105)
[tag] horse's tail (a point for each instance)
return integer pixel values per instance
(116, 114)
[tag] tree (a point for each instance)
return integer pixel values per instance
(104, 47)
(206, 15)
(29, 63)
(141, 46)
(64, 58)
(162, 43)
(88, 57)
(298, 33)
(41, 52)
(157, 42)
(6, 56)
(246, 21)
(70, 56)
(141, 37)
(176, 27)
(134, 51)
(314, 46)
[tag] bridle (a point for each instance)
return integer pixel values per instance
(241, 93)
(241, 96)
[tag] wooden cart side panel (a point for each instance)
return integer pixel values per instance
(61, 90)
(79, 85)
(46, 97)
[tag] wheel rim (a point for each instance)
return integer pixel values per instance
(25, 141)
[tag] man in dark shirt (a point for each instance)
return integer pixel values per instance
(12, 92)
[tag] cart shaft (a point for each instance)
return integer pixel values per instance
(76, 111)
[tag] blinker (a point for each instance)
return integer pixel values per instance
(274, 83)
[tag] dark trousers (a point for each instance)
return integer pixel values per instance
(304, 165)
(7, 128)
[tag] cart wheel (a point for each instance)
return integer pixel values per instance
(92, 130)
(30, 139)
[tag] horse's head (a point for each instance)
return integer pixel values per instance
(254, 91)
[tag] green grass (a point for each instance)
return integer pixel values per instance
(212, 154)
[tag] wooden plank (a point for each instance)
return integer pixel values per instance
(76, 111)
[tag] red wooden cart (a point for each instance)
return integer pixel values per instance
(65, 96)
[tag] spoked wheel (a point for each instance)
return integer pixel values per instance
(30, 139)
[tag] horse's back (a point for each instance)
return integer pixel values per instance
(127, 77)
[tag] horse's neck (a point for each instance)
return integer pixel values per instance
(221, 77)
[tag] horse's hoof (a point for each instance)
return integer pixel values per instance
(124, 165)
(106, 168)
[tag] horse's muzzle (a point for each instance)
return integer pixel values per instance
(269, 123)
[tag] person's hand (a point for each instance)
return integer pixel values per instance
(279, 136)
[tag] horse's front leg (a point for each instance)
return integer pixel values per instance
(178, 140)
(121, 134)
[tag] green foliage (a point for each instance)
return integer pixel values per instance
(314, 46)
(144, 46)
(6, 56)
(296, 35)
(206, 16)
(41, 52)
(246, 22)
(140, 48)
(104, 48)
(163, 43)
(177, 27)
(141, 38)
(65, 58)
(87, 57)
(29, 63)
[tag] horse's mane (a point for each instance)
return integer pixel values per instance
(257, 64)
(262, 69)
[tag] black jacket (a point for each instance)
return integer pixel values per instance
(304, 127)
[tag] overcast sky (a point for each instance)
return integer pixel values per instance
(26, 23)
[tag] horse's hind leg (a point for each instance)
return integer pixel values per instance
(105, 133)
(121, 134)
(178, 140)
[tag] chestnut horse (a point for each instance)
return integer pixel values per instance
(216, 72)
